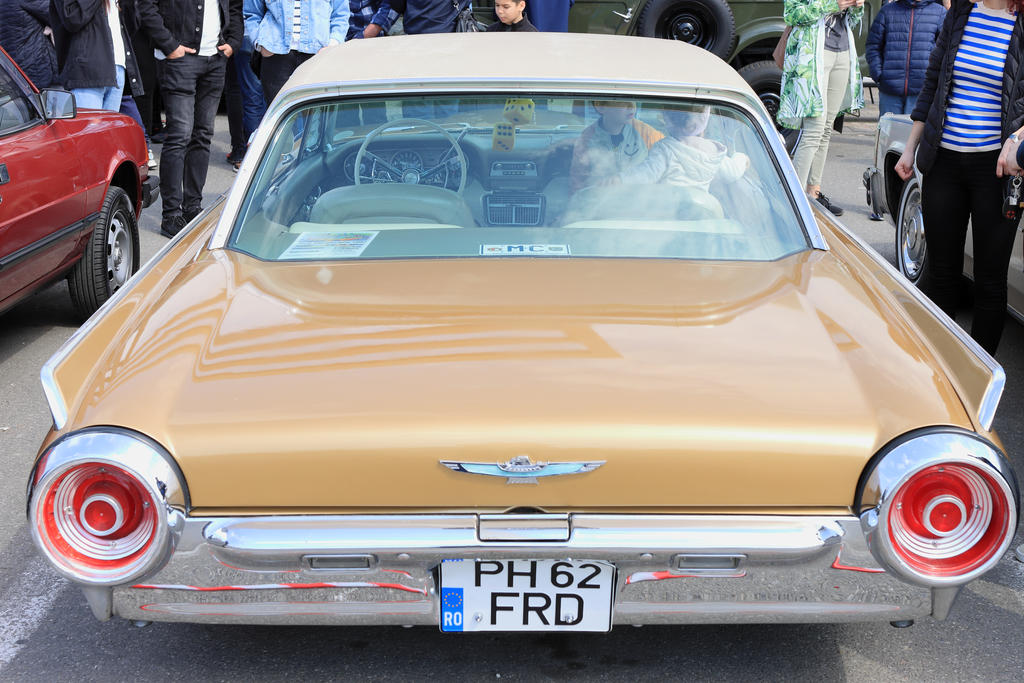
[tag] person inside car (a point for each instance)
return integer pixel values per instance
(614, 142)
(685, 157)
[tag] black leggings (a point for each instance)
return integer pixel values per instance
(963, 186)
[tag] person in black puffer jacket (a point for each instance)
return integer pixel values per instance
(968, 118)
(901, 39)
(21, 34)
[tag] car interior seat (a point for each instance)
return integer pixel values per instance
(391, 203)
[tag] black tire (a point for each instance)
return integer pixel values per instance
(765, 78)
(111, 255)
(708, 24)
(911, 248)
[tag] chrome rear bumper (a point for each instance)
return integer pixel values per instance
(382, 569)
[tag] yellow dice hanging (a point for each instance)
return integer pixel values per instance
(519, 110)
(504, 138)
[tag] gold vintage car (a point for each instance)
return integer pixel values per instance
(530, 332)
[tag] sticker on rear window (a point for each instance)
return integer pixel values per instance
(524, 250)
(327, 245)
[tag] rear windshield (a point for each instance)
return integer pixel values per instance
(509, 176)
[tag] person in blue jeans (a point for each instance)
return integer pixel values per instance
(899, 43)
(93, 52)
(243, 95)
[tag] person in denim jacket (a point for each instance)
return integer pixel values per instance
(288, 32)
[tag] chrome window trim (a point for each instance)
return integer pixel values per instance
(994, 390)
(142, 457)
(293, 98)
(906, 456)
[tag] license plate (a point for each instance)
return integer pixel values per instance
(526, 595)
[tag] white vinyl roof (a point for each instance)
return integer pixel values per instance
(525, 57)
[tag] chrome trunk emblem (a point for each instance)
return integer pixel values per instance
(522, 470)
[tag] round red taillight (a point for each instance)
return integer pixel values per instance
(947, 520)
(106, 506)
(98, 517)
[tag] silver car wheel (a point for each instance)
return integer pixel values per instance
(110, 257)
(120, 257)
(911, 248)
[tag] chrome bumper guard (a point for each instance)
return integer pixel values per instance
(381, 569)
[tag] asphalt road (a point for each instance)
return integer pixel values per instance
(47, 632)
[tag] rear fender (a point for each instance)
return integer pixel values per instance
(977, 377)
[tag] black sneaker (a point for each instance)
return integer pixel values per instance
(823, 200)
(171, 227)
(189, 214)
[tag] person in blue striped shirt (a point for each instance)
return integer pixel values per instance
(967, 119)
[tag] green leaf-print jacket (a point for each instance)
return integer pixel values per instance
(803, 68)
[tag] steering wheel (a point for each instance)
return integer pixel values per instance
(385, 171)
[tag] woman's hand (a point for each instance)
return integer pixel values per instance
(905, 166)
(1007, 164)
(847, 4)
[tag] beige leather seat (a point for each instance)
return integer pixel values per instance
(391, 203)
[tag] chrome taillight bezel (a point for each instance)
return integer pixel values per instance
(140, 458)
(902, 460)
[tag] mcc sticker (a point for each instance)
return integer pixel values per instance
(524, 250)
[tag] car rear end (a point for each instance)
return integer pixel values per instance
(696, 410)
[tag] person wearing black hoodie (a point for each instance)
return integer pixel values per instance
(899, 43)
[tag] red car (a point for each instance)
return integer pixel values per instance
(71, 186)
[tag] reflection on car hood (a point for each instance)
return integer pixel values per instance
(342, 385)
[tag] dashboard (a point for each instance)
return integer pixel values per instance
(501, 188)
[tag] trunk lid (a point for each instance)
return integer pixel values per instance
(312, 387)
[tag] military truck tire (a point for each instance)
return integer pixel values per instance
(766, 80)
(705, 23)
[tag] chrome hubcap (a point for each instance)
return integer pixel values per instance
(119, 252)
(912, 242)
